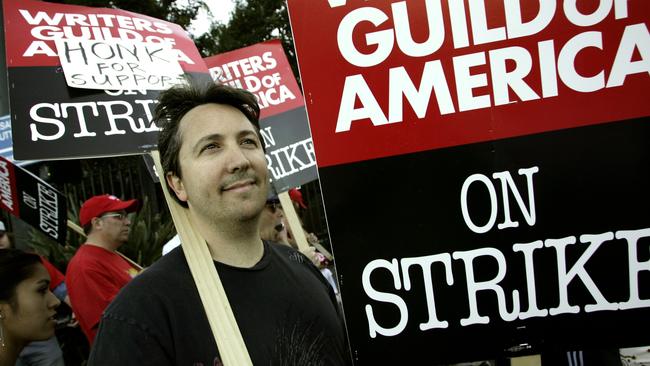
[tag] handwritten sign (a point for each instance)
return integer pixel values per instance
(118, 64)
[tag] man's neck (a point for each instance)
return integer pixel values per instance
(237, 244)
(98, 241)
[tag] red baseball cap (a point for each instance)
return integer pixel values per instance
(98, 205)
(296, 196)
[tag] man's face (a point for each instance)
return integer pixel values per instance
(222, 163)
(115, 227)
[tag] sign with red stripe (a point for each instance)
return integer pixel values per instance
(263, 69)
(484, 169)
(51, 120)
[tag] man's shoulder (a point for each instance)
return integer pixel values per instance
(166, 275)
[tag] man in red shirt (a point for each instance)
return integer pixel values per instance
(97, 272)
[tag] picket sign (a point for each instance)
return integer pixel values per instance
(534, 360)
(232, 348)
(80, 231)
(294, 221)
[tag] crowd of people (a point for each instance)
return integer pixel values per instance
(286, 307)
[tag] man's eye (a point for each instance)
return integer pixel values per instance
(249, 142)
(209, 146)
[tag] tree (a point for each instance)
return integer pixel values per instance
(168, 10)
(252, 21)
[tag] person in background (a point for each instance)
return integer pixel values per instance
(5, 242)
(27, 306)
(96, 272)
(47, 352)
(273, 226)
(214, 165)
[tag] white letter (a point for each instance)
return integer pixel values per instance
(566, 66)
(373, 327)
(506, 181)
(403, 29)
(493, 203)
(579, 19)
(634, 36)
(565, 277)
(466, 82)
(473, 287)
(425, 263)
(516, 28)
(480, 30)
(383, 39)
(502, 79)
(433, 77)
(634, 267)
(34, 115)
(528, 249)
(355, 86)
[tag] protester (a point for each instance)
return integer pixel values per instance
(273, 227)
(47, 352)
(5, 242)
(214, 165)
(27, 306)
(97, 272)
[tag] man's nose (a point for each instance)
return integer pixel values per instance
(237, 159)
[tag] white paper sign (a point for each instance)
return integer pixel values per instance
(118, 64)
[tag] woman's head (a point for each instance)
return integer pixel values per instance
(27, 307)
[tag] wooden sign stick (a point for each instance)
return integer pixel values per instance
(80, 231)
(232, 348)
(534, 360)
(293, 220)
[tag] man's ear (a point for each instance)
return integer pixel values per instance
(177, 185)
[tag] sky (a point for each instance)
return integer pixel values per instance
(220, 9)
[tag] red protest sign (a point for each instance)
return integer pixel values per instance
(55, 121)
(32, 200)
(483, 166)
(434, 75)
(263, 69)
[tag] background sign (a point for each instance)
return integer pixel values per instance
(32, 200)
(51, 120)
(484, 171)
(263, 69)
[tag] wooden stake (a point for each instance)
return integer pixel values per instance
(293, 220)
(534, 360)
(222, 321)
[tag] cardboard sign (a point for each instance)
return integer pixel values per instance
(118, 64)
(29, 198)
(263, 70)
(51, 120)
(484, 171)
(6, 144)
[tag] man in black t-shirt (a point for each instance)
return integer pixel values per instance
(214, 164)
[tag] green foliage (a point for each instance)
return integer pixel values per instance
(149, 232)
(168, 10)
(252, 21)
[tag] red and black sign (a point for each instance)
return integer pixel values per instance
(32, 200)
(484, 167)
(51, 120)
(263, 69)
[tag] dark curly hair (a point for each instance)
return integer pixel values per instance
(175, 102)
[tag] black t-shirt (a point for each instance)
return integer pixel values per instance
(285, 309)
